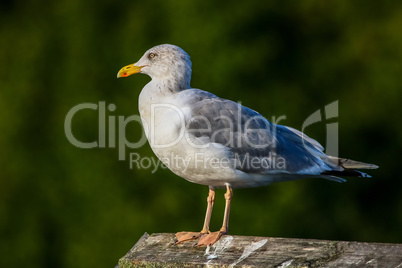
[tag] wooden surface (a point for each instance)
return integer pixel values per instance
(248, 251)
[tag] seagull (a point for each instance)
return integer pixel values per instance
(219, 143)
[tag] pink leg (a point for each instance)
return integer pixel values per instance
(212, 238)
(187, 236)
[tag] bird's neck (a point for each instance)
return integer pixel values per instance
(173, 83)
(159, 92)
(167, 86)
(173, 80)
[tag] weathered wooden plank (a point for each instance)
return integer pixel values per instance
(247, 251)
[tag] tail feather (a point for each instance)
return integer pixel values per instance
(350, 164)
(347, 167)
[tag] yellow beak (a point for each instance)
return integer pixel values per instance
(129, 70)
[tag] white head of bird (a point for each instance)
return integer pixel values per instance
(167, 64)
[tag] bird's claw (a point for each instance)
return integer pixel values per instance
(186, 236)
(209, 239)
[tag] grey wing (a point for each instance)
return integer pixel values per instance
(257, 145)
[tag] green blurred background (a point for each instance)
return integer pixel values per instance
(62, 206)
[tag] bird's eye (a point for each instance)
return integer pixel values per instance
(151, 55)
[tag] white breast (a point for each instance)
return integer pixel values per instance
(195, 159)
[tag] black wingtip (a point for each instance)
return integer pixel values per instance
(347, 173)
